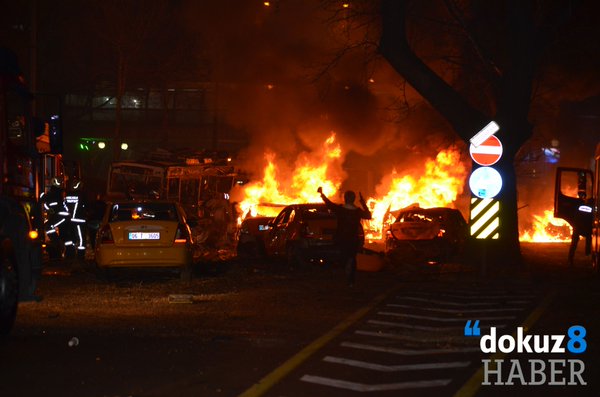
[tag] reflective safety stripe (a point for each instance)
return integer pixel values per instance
(77, 220)
(64, 213)
(484, 218)
(59, 222)
(80, 241)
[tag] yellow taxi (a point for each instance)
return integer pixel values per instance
(144, 234)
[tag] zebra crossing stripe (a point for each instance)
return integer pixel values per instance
(443, 319)
(409, 352)
(461, 304)
(395, 368)
(424, 327)
(484, 218)
(419, 339)
(435, 309)
(361, 387)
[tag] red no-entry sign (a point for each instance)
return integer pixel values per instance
(488, 153)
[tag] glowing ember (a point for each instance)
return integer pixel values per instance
(547, 229)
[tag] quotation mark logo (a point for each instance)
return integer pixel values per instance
(474, 330)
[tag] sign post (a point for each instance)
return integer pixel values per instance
(485, 183)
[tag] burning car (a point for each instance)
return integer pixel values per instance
(301, 233)
(426, 235)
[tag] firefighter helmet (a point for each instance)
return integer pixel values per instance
(57, 181)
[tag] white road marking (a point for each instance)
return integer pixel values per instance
(418, 327)
(395, 368)
(433, 309)
(408, 352)
(420, 339)
(481, 294)
(361, 387)
(447, 303)
(443, 319)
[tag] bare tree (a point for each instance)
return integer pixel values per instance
(497, 49)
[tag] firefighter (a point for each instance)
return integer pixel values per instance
(76, 236)
(55, 223)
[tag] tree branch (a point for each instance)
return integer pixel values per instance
(394, 47)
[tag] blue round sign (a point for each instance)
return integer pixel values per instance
(485, 182)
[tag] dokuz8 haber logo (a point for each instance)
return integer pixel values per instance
(532, 372)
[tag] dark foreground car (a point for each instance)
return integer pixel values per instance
(251, 237)
(426, 235)
(302, 233)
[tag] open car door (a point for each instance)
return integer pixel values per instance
(573, 193)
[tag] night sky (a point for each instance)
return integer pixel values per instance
(293, 47)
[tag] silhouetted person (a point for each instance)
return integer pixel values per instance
(582, 226)
(348, 236)
(75, 241)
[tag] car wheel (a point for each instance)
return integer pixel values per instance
(247, 250)
(103, 273)
(295, 256)
(9, 295)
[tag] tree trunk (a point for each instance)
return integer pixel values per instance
(513, 102)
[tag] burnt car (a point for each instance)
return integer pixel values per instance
(251, 237)
(427, 235)
(302, 233)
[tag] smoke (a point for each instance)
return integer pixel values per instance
(278, 83)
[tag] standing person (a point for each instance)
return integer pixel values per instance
(582, 226)
(56, 222)
(76, 240)
(348, 234)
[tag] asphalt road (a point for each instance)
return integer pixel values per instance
(266, 330)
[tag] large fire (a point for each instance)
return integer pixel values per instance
(311, 170)
(547, 229)
(438, 184)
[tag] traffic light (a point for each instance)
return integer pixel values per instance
(87, 144)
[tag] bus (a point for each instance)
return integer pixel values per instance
(189, 182)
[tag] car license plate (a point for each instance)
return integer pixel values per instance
(144, 236)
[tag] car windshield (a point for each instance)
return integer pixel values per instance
(143, 211)
(415, 217)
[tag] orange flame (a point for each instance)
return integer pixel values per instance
(547, 229)
(439, 184)
(311, 170)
